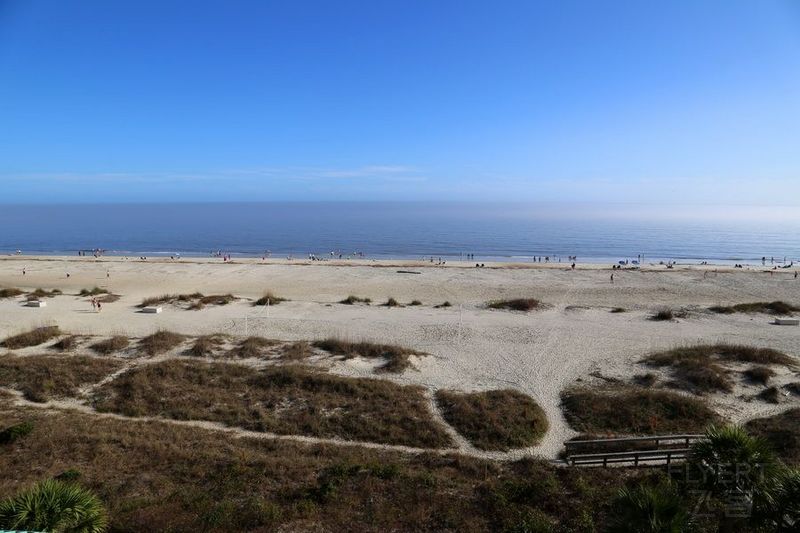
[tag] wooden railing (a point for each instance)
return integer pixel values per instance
(661, 449)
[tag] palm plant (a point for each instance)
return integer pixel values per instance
(650, 509)
(779, 504)
(55, 506)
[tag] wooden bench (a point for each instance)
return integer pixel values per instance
(656, 448)
(635, 457)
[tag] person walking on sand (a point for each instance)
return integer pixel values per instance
(612, 277)
(99, 307)
(94, 303)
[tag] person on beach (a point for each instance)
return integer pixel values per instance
(99, 306)
(612, 277)
(23, 271)
(94, 304)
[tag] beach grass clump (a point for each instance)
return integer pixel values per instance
(634, 410)
(214, 299)
(33, 337)
(96, 291)
(269, 299)
(397, 358)
(759, 374)
(38, 294)
(351, 300)
(206, 345)
(111, 345)
(773, 308)
(415, 303)
(494, 420)
(10, 293)
(515, 304)
(15, 432)
(160, 342)
(170, 298)
(65, 344)
(663, 315)
(296, 351)
(391, 302)
(443, 305)
(782, 432)
(619, 310)
(253, 347)
(289, 400)
(42, 377)
(770, 395)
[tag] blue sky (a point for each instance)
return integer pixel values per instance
(666, 102)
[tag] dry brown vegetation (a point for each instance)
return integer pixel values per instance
(296, 351)
(397, 357)
(206, 345)
(516, 304)
(770, 394)
(633, 410)
(10, 293)
(270, 298)
(350, 300)
(170, 298)
(66, 344)
(772, 308)
(443, 305)
(285, 400)
(214, 299)
(153, 476)
(113, 344)
(253, 347)
(42, 377)
(96, 291)
(41, 293)
(160, 342)
(494, 420)
(33, 337)
(391, 302)
(759, 374)
(782, 432)
(700, 368)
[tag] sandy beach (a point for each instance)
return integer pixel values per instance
(574, 336)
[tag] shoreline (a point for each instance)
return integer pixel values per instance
(408, 263)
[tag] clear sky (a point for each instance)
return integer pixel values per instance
(632, 101)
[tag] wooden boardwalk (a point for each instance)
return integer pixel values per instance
(637, 451)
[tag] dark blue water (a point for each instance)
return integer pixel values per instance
(407, 230)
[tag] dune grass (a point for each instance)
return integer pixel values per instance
(633, 410)
(662, 315)
(701, 368)
(516, 304)
(297, 351)
(443, 305)
(782, 432)
(759, 374)
(397, 357)
(773, 308)
(96, 291)
(350, 300)
(33, 337)
(494, 420)
(43, 377)
(619, 310)
(10, 293)
(391, 302)
(270, 298)
(38, 294)
(206, 345)
(111, 345)
(284, 399)
(415, 303)
(253, 347)
(214, 299)
(65, 344)
(155, 476)
(160, 342)
(15, 432)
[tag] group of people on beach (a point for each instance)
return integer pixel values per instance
(97, 305)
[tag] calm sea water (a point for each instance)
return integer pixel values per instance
(408, 230)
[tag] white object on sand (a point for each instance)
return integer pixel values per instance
(37, 303)
(787, 322)
(152, 309)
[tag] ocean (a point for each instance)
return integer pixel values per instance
(385, 230)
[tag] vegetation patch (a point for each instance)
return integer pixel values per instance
(494, 420)
(65, 344)
(10, 293)
(14, 432)
(284, 399)
(170, 299)
(111, 345)
(391, 302)
(206, 345)
(38, 294)
(296, 351)
(153, 476)
(269, 299)
(41, 377)
(160, 342)
(782, 432)
(516, 304)
(770, 395)
(772, 308)
(759, 374)
(619, 310)
(214, 299)
(34, 337)
(397, 357)
(350, 300)
(634, 410)
(253, 347)
(443, 305)
(96, 291)
(666, 314)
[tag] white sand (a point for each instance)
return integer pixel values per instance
(471, 348)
